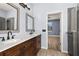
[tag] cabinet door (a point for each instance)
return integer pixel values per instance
(38, 43)
(34, 47)
(28, 51)
(1, 54)
(21, 49)
(28, 48)
(12, 52)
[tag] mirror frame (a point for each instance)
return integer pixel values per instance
(18, 11)
(27, 23)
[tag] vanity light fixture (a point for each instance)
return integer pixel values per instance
(24, 6)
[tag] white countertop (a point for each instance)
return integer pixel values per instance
(5, 46)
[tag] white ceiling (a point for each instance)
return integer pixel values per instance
(6, 7)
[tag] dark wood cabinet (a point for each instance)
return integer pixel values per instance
(28, 51)
(38, 41)
(27, 48)
(33, 46)
(1, 54)
(12, 51)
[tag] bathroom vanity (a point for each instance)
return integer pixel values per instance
(29, 46)
(26, 44)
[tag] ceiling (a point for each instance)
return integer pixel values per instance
(6, 7)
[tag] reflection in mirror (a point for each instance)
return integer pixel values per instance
(29, 23)
(8, 17)
(10, 24)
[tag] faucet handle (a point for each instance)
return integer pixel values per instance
(13, 36)
(3, 39)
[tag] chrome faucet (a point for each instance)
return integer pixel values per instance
(8, 35)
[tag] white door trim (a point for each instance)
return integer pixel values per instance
(61, 32)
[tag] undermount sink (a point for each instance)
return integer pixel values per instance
(9, 41)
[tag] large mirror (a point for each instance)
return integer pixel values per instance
(29, 23)
(8, 17)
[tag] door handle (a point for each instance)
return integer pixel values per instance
(69, 32)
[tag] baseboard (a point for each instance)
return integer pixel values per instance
(53, 35)
(43, 48)
(61, 51)
(65, 51)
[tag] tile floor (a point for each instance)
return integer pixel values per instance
(50, 52)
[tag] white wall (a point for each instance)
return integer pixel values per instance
(41, 11)
(22, 18)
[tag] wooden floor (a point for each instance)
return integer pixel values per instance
(53, 48)
(50, 52)
(54, 43)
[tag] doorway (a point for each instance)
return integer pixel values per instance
(54, 31)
